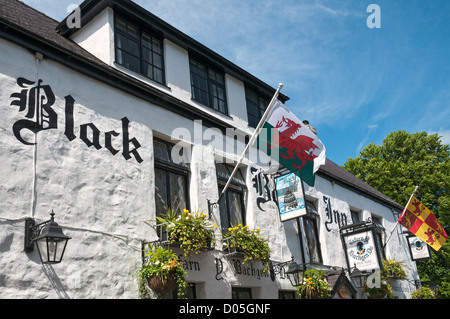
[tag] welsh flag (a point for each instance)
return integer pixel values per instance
(420, 221)
(290, 142)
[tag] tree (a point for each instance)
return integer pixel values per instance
(403, 161)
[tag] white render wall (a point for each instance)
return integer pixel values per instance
(103, 200)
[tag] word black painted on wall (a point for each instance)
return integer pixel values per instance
(38, 100)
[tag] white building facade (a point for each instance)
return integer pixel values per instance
(89, 119)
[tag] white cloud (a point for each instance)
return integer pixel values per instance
(361, 144)
(444, 134)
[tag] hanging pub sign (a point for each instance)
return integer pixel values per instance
(361, 247)
(291, 199)
(418, 248)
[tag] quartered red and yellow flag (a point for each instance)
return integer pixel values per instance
(421, 222)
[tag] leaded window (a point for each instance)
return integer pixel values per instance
(232, 204)
(310, 225)
(171, 178)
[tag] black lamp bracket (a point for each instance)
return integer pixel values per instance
(32, 231)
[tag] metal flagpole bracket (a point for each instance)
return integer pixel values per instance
(211, 206)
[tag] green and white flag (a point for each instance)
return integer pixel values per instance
(286, 139)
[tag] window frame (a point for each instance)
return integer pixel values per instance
(235, 187)
(263, 102)
(169, 167)
(237, 291)
(380, 233)
(141, 33)
(311, 221)
(200, 70)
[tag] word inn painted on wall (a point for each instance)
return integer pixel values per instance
(37, 101)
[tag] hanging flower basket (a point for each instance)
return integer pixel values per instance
(160, 285)
(162, 272)
(384, 291)
(314, 285)
(376, 296)
(191, 231)
(248, 243)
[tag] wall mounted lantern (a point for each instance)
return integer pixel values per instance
(49, 237)
(358, 277)
(295, 273)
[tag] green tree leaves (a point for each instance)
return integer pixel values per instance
(396, 167)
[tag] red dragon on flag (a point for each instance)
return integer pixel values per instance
(296, 146)
(292, 144)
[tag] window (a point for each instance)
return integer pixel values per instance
(191, 292)
(171, 179)
(355, 216)
(256, 106)
(310, 225)
(139, 51)
(286, 294)
(241, 293)
(231, 206)
(208, 86)
(380, 232)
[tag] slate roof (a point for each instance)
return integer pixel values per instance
(26, 23)
(20, 15)
(333, 171)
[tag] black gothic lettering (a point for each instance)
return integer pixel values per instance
(334, 216)
(126, 143)
(39, 101)
(262, 185)
(108, 143)
(95, 135)
(69, 118)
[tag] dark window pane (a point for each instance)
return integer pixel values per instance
(157, 46)
(161, 192)
(161, 151)
(158, 75)
(223, 208)
(235, 202)
(133, 47)
(177, 192)
(157, 60)
(133, 63)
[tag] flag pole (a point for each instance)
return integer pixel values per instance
(401, 215)
(252, 139)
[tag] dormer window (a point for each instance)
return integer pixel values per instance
(208, 86)
(138, 50)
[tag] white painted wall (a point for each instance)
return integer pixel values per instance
(103, 200)
(97, 36)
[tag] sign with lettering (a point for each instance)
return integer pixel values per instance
(333, 215)
(263, 185)
(291, 200)
(418, 248)
(361, 250)
(37, 101)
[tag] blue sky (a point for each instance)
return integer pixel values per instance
(353, 83)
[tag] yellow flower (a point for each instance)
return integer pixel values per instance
(229, 229)
(185, 211)
(240, 225)
(258, 230)
(231, 245)
(215, 225)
